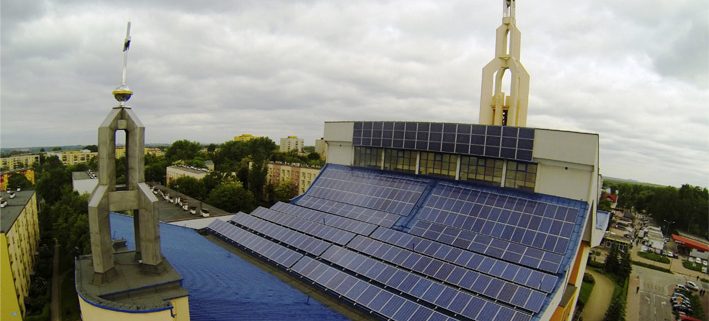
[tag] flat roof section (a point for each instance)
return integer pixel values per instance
(14, 207)
(130, 289)
(221, 285)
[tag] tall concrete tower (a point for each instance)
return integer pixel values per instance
(497, 108)
(135, 196)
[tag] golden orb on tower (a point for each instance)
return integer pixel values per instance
(122, 94)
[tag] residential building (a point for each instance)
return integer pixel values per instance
(19, 239)
(73, 157)
(291, 143)
(300, 175)
(14, 162)
(5, 177)
(321, 148)
(121, 151)
(176, 171)
(244, 137)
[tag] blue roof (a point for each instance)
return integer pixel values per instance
(373, 237)
(602, 218)
(223, 286)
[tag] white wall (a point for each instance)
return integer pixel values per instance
(84, 185)
(338, 136)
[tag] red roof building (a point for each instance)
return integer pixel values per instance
(690, 243)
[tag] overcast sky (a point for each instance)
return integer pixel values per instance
(636, 72)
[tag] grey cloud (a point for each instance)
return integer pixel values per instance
(207, 71)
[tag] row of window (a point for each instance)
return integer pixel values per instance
(479, 169)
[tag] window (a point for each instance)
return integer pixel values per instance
(438, 164)
(521, 175)
(481, 169)
(368, 157)
(400, 160)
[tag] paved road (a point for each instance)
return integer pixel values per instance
(56, 285)
(600, 298)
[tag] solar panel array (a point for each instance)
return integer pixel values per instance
(506, 142)
(465, 252)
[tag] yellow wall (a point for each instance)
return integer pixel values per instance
(180, 310)
(20, 161)
(9, 305)
(18, 248)
(29, 174)
(74, 157)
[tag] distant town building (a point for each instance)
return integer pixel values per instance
(5, 177)
(321, 148)
(244, 138)
(18, 162)
(291, 143)
(121, 151)
(84, 182)
(19, 239)
(73, 157)
(176, 171)
(300, 175)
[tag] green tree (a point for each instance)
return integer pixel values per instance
(189, 186)
(283, 191)
(92, 148)
(183, 150)
(257, 179)
(18, 180)
(612, 261)
(616, 311)
(232, 197)
(52, 176)
(155, 167)
(261, 148)
(624, 265)
(313, 156)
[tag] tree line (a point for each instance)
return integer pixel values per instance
(685, 208)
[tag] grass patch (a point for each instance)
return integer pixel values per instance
(654, 257)
(70, 300)
(586, 288)
(651, 266)
(692, 266)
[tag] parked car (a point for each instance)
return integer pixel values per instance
(705, 262)
(698, 260)
(680, 287)
(692, 286)
(193, 210)
(185, 206)
(205, 212)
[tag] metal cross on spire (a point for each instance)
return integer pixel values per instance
(123, 93)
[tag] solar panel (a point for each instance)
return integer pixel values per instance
(287, 236)
(458, 251)
(368, 189)
(383, 302)
(405, 281)
(328, 219)
(316, 229)
(348, 210)
(477, 140)
(279, 254)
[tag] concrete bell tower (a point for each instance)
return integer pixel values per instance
(496, 107)
(135, 197)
